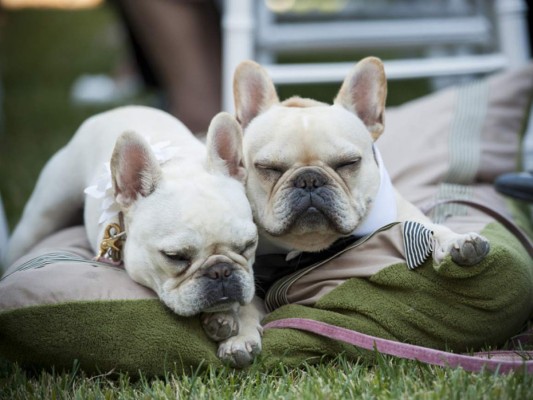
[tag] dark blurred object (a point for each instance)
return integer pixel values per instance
(518, 185)
(143, 66)
(176, 46)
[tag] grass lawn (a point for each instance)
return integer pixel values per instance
(338, 379)
(42, 52)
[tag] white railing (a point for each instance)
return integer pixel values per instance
(501, 35)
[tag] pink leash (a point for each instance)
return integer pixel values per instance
(501, 361)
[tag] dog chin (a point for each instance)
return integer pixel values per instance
(187, 305)
(224, 305)
(310, 230)
(195, 308)
(306, 241)
(311, 220)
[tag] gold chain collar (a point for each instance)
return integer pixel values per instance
(111, 246)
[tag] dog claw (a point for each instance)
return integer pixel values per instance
(220, 326)
(470, 249)
(238, 351)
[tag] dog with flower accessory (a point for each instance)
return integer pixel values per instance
(171, 209)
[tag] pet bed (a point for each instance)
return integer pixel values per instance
(58, 306)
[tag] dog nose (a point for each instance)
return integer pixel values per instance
(309, 180)
(219, 271)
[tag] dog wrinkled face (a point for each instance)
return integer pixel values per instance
(190, 232)
(312, 172)
(197, 258)
(307, 187)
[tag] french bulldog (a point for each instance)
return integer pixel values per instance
(314, 174)
(179, 204)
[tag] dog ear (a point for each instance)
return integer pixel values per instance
(364, 92)
(224, 146)
(253, 91)
(134, 169)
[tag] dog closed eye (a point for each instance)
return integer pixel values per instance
(351, 163)
(270, 170)
(247, 247)
(177, 257)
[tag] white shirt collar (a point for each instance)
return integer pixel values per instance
(383, 209)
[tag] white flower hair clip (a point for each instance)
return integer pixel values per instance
(103, 189)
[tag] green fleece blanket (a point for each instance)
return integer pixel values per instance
(452, 307)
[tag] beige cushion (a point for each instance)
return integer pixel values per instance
(64, 280)
(419, 135)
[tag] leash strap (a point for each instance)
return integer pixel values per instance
(500, 361)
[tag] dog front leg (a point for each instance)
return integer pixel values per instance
(221, 325)
(464, 248)
(241, 349)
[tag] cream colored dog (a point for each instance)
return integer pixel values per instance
(188, 225)
(314, 173)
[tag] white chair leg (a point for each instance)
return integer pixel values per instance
(513, 31)
(237, 43)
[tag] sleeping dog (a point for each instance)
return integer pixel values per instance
(314, 172)
(180, 205)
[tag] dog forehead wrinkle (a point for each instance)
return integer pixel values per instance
(286, 146)
(213, 211)
(283, 125)
(210, 191)
(184, 241)
(220, 215)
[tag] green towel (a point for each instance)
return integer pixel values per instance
(451, 307)
(128, 336)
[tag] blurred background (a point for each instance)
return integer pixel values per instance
(42, 53)
(62, 61)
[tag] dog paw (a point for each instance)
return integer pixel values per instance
(220, 325)
(469, 249)
(239, 351)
